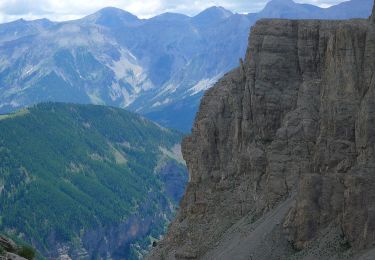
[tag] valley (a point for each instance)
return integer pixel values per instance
(87, 181)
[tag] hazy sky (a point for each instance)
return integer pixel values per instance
(71, 9)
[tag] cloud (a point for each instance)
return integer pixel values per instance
(71, 9)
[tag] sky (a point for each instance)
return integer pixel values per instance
(61, 10)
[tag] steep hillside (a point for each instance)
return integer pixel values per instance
(87, 181)
(159, 67)
(281, 156)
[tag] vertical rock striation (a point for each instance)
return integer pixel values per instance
(292, 128)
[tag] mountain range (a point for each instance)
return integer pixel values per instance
(158, 67)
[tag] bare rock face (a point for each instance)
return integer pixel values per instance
(7, 249)
(295, 122)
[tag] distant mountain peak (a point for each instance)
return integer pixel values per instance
(19, 21)
(281, 2)
(218, 8)
(215, 11)
(171, 17)
(112, 17)
(212, 15)
(289, 9)
(116, 11)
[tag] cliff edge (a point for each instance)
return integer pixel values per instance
(282, 152)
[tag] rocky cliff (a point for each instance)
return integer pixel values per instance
(282, 152)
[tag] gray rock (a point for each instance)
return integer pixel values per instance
(297, 117)
(7, 243)
(11, 256)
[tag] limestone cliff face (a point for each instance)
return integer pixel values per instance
(282, 151)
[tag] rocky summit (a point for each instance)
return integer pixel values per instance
(282, 152)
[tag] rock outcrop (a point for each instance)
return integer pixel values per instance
(282, 153)
(9, 250)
